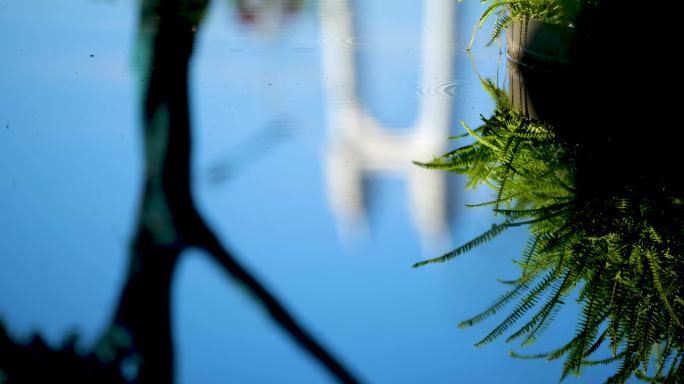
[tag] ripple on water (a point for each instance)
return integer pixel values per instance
(341, 40)
(447, 89)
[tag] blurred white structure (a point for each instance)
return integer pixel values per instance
(360, 147)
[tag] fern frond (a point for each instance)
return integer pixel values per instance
(434, 165)
(463, 135)
(535, 212)
(605, 361)
(653, 266)
(502, 23)
(508, 168)
(587, 328)
(495, 307)
(599, 341)
(540, 320)
(628, 366)
(621, 250)
(534, 131)
(525, 305)
(551, 355)
(499, 95)
(479, 138)
(662, 363)
(494, 231)
(506, 199)
(643, 376)
(483, 18)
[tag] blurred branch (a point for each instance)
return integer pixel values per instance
(168, 220)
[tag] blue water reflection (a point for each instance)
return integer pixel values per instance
(282, 116)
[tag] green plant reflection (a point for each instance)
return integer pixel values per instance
(616, 240)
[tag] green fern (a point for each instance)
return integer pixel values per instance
(562, 12)
(618, 243)
(494, 231)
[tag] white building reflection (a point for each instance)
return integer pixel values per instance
(361, 148)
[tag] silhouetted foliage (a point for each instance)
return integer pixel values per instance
(34, 361)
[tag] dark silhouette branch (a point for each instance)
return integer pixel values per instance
(278, 313)
(168, 221)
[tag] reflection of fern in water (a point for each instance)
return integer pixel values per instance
(562, 12)
(620, 245)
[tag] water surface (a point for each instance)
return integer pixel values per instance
(305, 125)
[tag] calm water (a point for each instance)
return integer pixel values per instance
(305, 126)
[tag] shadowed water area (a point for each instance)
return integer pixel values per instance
(209, 192)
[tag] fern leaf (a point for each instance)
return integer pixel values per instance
(525, 305)
(483, 18)
(588, 326)
(493, 202)
(551, 355)
(479, 138)
(605, 361)
(663, 358)
(494, 231)
(463, 135)
(539, 320)
(536, 212)
(501, 24)
(508, 167)
(659, 287)
(433, 165)
(534, 131)
(499, 95)
(496, 306)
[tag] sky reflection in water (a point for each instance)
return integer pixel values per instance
(280, 116)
